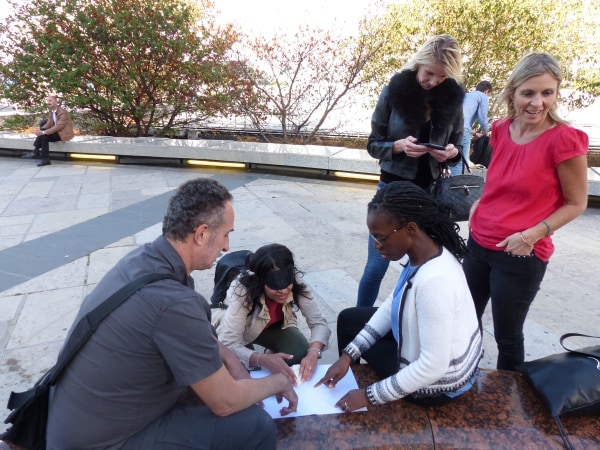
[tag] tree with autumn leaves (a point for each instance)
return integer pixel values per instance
(133, 65)
(142, 66)
(298, 78)
(494, 35)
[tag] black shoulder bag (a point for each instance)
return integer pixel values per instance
(29, 414)
(568, 383)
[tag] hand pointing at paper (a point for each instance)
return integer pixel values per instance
(336, 372)
(352, 400)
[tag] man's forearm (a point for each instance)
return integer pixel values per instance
(232, 363)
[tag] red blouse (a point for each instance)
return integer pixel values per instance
(522, 186)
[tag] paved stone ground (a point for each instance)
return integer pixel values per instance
(63, 226)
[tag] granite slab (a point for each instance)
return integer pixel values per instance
(502, 411)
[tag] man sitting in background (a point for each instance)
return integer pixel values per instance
(59, 127)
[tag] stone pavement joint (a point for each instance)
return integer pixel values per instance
(50, 260)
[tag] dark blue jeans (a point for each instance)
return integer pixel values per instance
(511, 282)
(375, 268)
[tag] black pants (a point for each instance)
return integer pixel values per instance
(42, 142)
(382, 356)
(511, 282)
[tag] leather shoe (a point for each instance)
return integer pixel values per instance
(31, 155)
(44, 162)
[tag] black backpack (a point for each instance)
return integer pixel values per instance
(482, 151)
(229, 266)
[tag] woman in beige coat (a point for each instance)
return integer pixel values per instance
(262, 303)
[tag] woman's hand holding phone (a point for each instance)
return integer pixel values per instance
(429, 145)
(441, 153)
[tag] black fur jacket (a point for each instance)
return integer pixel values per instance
(413, 103)
(405, 109)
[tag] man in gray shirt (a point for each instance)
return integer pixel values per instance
(475, 107)
(153, 375)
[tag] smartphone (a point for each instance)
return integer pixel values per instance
(436, 146)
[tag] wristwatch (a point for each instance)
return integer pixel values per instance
(316, 350)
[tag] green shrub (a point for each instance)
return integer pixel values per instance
(17, 123)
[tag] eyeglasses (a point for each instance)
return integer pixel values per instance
(381, 240)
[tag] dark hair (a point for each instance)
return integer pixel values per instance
(260, 263)
(406, 202)
(196, 202)
(484, 85)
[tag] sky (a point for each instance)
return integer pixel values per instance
(4, 8)
(266, 16)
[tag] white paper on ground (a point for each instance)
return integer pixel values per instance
(311, 400)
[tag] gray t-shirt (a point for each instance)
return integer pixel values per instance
(141, 357)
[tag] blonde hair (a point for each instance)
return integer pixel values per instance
(532, 65)
(442, 49)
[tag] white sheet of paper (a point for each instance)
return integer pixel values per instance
(311, 400)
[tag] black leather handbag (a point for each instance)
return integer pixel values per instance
(456, 194)
(568, 383)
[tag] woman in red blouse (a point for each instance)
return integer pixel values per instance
(536, 183)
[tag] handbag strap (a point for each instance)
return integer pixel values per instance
(445, 167)
(568, 335)
(465, 164)
(563, 434)
(88, 323)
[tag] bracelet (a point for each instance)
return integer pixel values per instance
(547, 227)
(524, 240)
(257, 359)
(319, 352)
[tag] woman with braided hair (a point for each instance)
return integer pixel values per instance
(424, 340)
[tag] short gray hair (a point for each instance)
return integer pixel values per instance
(196, 202)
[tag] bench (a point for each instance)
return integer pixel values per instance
(315, 160)
(501, 411)
(319, 158)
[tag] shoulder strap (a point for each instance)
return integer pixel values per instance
(403, 298)
(401, 311)
(88, 323)
(568, 335)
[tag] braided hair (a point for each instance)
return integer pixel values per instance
(264, 260)
(406, 202)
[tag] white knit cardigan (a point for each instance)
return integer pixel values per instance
(441, 345)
